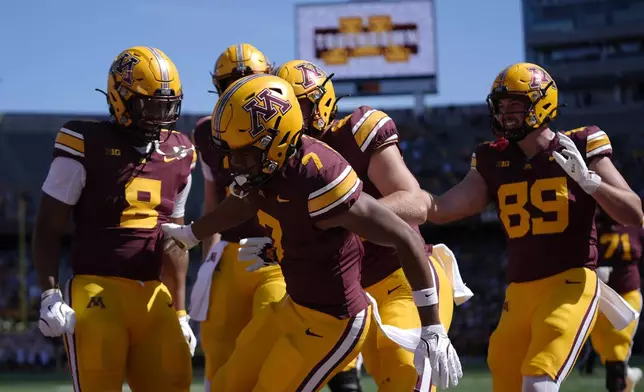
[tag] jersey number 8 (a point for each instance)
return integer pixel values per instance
(143, 195)
(513, 198)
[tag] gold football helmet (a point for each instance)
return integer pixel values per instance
(237, 61)
(530, 84)
(257, 121)
(144, 92)
(311, 83)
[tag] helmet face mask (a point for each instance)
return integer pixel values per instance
(523, 99)
(144, 93)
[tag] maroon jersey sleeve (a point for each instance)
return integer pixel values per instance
(592, 142)
(70, 141)
(372, 129)
(186, 164)
(331, 183)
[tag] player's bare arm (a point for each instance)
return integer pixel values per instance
(210, 202)
(175, 269)
(51, 222)
(232, 212)
(467, 198)
(614, 195)
(370, 219)
(402, 193)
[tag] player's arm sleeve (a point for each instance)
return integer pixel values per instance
(195, 156)
(334, 190)
(65, 180)
(181, 199)
(597, 144)
(373, 129)
(70, 144)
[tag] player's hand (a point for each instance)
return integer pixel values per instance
(56, 317)
(190, 337)
(445, 365)
(571, 160)
(182, 235)
(603, 273)
(257, 249)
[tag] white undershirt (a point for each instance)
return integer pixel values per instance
(205, 169)
(66, 180)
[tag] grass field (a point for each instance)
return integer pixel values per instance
(477, 379)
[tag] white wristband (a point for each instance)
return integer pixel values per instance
(425, 297)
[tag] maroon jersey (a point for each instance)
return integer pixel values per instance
(218, 166)
(126, 197)
(321, 267)
(548, 219)
(620, 247)
(357, 136)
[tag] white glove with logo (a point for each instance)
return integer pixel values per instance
(571, 160)
(257, 249)
(56, 317)
(190, 337)
(182, 235)
(445, 365)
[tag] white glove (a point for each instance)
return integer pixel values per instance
(445, 365)
(257, 249)
(573, 163)
(190, 337)
(182, 235)
(603, 273)
(56, 317)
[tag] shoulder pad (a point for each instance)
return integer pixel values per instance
(372, 128)
(71, 137)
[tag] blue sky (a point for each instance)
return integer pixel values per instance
(56, 52)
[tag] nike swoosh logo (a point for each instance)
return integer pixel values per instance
(170, 305)
(571, 282)
(394, 289)
(310, 333)
(166, 159)
(280, 200)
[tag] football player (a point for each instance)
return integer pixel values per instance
(121, 179)
(620, 253)
(368, 140)
(545, 186)
(227, 299)
(312, 200)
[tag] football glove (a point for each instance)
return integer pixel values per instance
(190, 337)
(443, 360)
(182, 235)
(257, 249)
(56, 317)
(571, 160)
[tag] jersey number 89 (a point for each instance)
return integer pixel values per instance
(514, 197)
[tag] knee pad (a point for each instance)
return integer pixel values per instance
(348, 381)
(615, 376)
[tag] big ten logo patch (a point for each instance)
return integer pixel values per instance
(380, 36)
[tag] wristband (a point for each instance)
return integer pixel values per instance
(181, 313)
(425, 297)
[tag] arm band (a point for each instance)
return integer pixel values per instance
(425, 297)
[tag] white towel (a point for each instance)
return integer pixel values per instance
(619, 312)
(446, 257)
(200, 295)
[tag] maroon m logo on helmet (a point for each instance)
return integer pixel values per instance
(310, 73)
(124, 66)
(264, 106)
(537, 78)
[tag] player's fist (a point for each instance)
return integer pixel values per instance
(190, 337)
(571, 160)
(443, 360)
(260, 250)
(182, 235)
(56, 317)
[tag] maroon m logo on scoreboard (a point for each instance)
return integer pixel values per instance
(265, 106)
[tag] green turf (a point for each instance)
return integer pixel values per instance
(477, 379)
